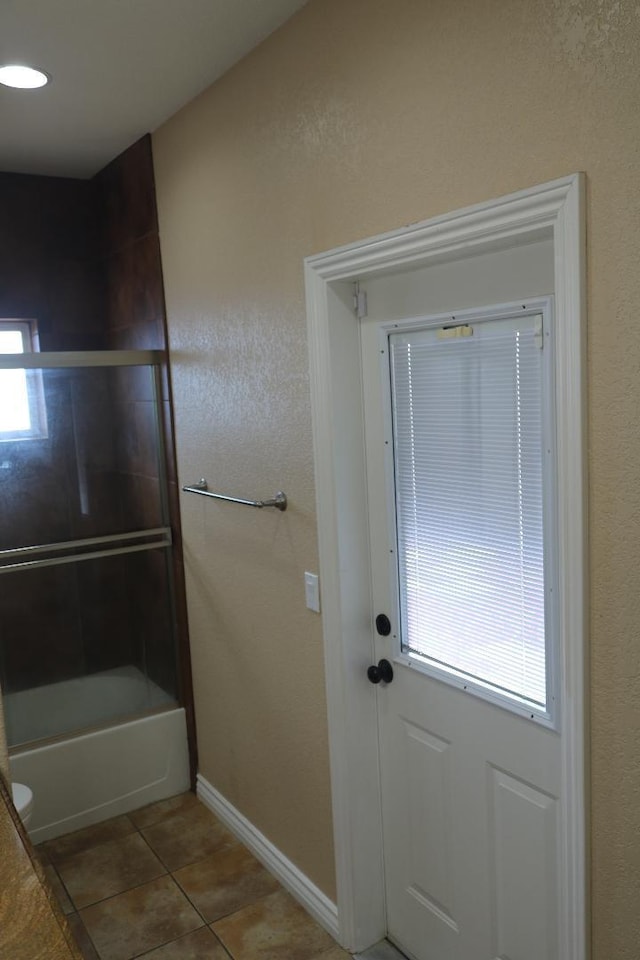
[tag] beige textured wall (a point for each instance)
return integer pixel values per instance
(359, 116)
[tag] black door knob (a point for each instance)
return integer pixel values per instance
(380, 671)
(383, 625)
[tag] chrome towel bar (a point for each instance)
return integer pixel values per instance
(202, 487)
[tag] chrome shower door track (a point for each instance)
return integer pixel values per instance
(81, 358)
(18, 558)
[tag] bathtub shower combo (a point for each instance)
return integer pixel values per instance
(88, 653)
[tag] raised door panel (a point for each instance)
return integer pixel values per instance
(420, 842)
(525, 869)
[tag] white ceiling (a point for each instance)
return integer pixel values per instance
(119, 68)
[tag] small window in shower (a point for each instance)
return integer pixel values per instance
(22, 407)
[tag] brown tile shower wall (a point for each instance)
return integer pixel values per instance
(48, 259)
(135, 318)
(50, 273)
(130, 251)
(83, 259)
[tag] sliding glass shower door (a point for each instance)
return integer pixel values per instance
(87, 632)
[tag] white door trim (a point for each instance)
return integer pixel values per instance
(554, 210)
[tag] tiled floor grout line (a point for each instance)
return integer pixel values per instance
(148, 845)
(165, 943)
(135, 886)
(141, 956)
(168, 873)
(80, 920)
(232, 913)
(169, 851)
(63, 885)
(172, 873)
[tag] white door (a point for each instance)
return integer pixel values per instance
(460, 474)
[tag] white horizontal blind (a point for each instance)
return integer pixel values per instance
(467, 413)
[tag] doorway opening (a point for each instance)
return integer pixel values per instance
(550, 218)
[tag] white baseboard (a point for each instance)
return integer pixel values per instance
(299, 886)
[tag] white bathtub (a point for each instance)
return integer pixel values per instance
(85, 778)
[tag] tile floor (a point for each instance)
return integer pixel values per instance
(169, 882)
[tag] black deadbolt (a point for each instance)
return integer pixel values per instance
(380, 671)
(383, 625)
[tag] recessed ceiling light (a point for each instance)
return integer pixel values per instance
(26, 78)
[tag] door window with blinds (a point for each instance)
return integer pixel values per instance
(472, 422)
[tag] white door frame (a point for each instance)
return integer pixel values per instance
(552, 210)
